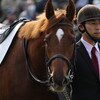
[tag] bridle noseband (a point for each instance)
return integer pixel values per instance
(69, 76)
(70, 72)
(58, 56)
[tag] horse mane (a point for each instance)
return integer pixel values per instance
(34, 29)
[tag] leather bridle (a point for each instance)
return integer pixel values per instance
(49, 61)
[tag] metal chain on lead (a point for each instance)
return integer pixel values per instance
(68, 96)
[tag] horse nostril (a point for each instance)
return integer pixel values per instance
(65, 81)
(59, 83)
(51, 80)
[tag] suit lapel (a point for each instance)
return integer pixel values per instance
(85, 56)
(99, 45)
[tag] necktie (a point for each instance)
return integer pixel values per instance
(95, 60)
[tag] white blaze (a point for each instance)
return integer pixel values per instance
(60, 34)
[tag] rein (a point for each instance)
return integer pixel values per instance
(25, 43)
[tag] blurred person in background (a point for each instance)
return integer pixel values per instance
(20, 6)
(10, 15)
(2, 17)
(61, 4)
(96, 2)
(80, 3)
(29, 11)
(40, 4)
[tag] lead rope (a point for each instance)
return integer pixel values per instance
(67, 96)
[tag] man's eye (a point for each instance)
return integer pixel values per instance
(93, 23)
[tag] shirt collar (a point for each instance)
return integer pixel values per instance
(88, 46)
(97, 48)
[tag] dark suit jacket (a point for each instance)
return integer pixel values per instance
(86, 84)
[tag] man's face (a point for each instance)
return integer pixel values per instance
(93, 27)
(11, 17)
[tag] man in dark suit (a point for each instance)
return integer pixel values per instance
(86, 82)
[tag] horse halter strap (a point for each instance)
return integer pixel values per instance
(59, 56)
(62, 23)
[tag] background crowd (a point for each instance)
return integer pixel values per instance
(11, 10)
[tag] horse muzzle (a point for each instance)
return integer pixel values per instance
(58, 84)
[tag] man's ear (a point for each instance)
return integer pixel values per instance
(81, 28)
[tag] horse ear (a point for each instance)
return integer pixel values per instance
(71, 10)
(49, 11)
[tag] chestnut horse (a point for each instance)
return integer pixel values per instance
(38, 64)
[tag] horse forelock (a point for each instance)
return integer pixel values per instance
(54, 20)
(34, 29)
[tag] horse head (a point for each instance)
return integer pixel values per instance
(59, 45)
(52, 38)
